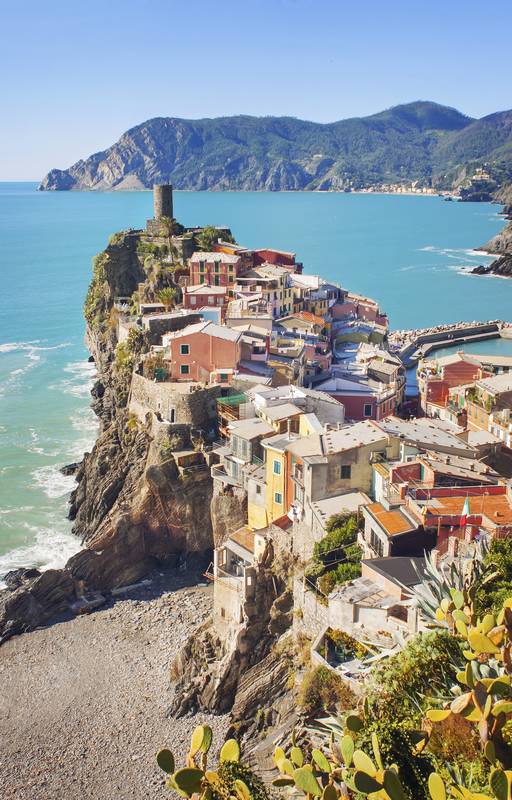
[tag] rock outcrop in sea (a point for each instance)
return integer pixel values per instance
(500, 245)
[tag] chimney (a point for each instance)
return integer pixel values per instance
(436, 557)
(288, 428)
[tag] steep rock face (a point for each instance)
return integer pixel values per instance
(210, 667)
(500, 245)
(228, 512)
(131, 508)
(280, 153)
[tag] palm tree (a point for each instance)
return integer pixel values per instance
(168, 226)
(210, 236)
(166, 297)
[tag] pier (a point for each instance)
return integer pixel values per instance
(420, 343)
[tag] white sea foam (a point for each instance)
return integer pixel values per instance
(50, 549)
(53, 483)
(81, 381)
(34, 344)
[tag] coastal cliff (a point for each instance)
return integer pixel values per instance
(500, 245)
(132, 509)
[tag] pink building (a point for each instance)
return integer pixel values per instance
(363, 399)
(203, 352)
(358, 307)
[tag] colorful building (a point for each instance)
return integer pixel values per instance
(215, 269)
(203, 352)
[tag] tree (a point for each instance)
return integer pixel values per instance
(210, 236)
(167, 225)
(166, 297)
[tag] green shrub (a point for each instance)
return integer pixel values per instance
(95, 306)
(401, 685)
(339, 535)
(322, 689)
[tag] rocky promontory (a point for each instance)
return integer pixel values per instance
(420, 142)
(132, 509)
(500, 245)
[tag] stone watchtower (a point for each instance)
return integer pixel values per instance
(162, 201)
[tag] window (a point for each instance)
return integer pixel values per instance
(345, 471)
(201, 266)
(216, 266)
(193, 301)
(276, 468)
(258, 489)
(278, 498)
(231, 267)
(184, 349)
(211, 300)
(215, 280)
(367, 411)
(201, 279)
(184, 369)
(376, 544)
(223, 376)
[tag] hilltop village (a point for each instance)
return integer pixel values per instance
(256, 434)
(282, 390)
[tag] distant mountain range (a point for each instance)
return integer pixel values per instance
(422, 141)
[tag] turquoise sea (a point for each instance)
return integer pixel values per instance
(406, 251)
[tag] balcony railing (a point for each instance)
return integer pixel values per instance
(218, 471)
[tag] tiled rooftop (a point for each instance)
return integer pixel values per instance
(393, 523)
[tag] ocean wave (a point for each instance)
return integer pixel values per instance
(49, 550)
(81, 382)
(34, 344)
(53, 483)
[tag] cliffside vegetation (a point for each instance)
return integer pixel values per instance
(337, 556)
(420, 141)
(434, 721)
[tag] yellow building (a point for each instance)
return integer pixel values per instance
(277, 478)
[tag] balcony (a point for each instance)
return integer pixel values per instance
(218, 471)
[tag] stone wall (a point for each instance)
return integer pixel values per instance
(197, 408)
(309, 615)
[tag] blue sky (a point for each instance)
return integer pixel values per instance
(75, 74)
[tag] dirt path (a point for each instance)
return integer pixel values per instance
(84, 703)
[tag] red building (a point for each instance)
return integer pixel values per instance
(438, 375)
(215, 269)
(279, 258)
(203, 352)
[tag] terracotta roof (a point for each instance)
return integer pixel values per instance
(392, 523)
(497, 508)
(245, 538)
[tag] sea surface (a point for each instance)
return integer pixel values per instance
(408, 252)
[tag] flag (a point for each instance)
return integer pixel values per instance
(465, 513)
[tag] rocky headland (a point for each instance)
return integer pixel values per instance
(125, 646)
(500, 245)
(131, 509)
(423, 143)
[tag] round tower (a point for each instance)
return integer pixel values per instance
(162, 200)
